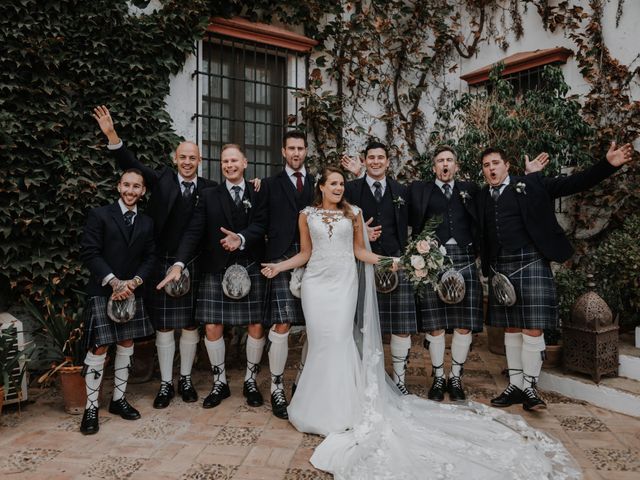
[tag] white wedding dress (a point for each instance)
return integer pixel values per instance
(372, 431)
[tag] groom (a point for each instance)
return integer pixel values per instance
(384, 203)
(285, 194)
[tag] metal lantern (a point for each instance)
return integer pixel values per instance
(590, 338)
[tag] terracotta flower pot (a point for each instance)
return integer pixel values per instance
(144, 361)
(553, 356)
(73, 388)
(495, 339)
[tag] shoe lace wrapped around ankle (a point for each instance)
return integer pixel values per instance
(186, 382)
(439, 382)
(278, 397)
(217, 388)
(251, 385)
(403, 389)
(92, 413)
(455, 382)
(164, 388)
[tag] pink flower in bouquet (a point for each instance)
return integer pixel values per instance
(417, 262)
(420, 273)
(423, 247)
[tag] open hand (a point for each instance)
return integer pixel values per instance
(351, 164)
(172, 275)
(618, 156)
(537, 164)
(103, 117)
(256, 184)
(231, 241)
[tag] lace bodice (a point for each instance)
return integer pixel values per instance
(331, 235)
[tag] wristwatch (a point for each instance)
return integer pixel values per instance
(137, 281)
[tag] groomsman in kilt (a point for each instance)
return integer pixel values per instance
(286, 194)
(118, 249)
(225, 220)
(520, 237)
(174, 195)
(384, 205)
(454, 201)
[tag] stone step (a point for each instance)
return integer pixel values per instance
(629, 357)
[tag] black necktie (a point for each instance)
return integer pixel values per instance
(236, 195)
(128, 218)
(378, 191)
(447, 190)
(186, 194)
(495, 193)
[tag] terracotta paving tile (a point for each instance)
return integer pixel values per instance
(246, 472)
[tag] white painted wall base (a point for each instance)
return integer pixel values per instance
(605, 397)
(637, 337)
(629, 367)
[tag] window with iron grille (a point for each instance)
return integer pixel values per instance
(246, 95)
(521, 81)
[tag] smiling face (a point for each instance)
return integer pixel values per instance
(495, 169)
(233, 164)
(294, 153)
(186, 159)
(332, 189)
(131, 188)
(445, 166)
(377, 163)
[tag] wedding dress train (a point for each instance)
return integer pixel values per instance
(372, 431)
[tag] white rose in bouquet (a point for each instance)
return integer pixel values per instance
(417, 262)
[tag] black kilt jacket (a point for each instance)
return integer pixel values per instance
(536, 203)
(107, 247)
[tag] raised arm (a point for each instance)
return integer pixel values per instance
(270, 270)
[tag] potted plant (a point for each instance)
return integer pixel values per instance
(9, 361)
(61, 335)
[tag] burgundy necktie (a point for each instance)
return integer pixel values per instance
(299, 184)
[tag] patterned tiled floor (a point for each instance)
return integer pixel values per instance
(234, 441)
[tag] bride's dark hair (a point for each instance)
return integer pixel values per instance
(343, 205)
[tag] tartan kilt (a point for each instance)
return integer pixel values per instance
(398, 308)
(281, 306)
(436, 315)
(213, 306)
(100, 330)
(536, 304)
(166, 312)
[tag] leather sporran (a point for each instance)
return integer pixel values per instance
(295, 284)
(122, 311)
(179, 287)
(386, 280)
(503, 290)
(451, 287)
(236, 282)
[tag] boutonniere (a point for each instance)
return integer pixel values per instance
(247, 204)
(464, 195)
(398, 201)
(521, 187)
(197, 199)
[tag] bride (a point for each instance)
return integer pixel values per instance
(371, 430)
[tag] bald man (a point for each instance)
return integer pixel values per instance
(174, 196)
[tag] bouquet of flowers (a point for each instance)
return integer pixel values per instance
(423, 260)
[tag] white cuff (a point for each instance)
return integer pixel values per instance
(242, 241)
(107, 279)
(114, 146)
(179, 264)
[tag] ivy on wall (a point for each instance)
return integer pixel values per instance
(58, 60)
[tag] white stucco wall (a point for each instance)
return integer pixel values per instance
(622, 42)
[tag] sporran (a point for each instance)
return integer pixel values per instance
(122, 311)
(503, 290)
(236, 282)
(451, 287)
(179, 287)
(386, 280)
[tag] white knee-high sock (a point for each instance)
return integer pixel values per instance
(303, 358)
(278, 352)
(399, 347)
(121, 366)
(188, 344)
(513, 350)
(255, 347)
(459, 350)
(216, 352)
(436, 351)
(532, 348)
(93, 377)
(166, 347)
